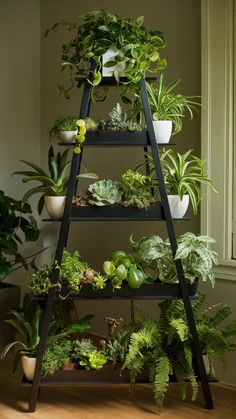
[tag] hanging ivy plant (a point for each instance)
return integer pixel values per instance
(138, 47)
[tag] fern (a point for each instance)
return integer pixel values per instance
(162, 371)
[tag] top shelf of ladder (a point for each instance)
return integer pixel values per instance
(110, 81)
(117, 138)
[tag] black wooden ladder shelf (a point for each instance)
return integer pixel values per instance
(143, 139)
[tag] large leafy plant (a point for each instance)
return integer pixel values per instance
(55, 182)
(154, 254)
(167, 105)
(15, 219)
(138, 47)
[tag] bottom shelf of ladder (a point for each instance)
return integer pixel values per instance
(87, 377)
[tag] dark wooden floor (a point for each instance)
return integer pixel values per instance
(107, 402)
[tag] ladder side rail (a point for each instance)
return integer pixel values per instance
(63, 234)
(173, 242)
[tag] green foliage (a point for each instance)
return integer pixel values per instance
(137, 189)
(26, 322)
(55, 183)
(198, 261)
(93, 360)
(57, 354)
(138, 47)
(183, 174)
(216, 335)
(118, 120)
(15, 219)
(81, 346)
(90, 124)
(71, 271)
(73, 274)
(167, 105)
(67, 123)
(145, 351)
(87, 355)
(116, 347)
(105, 192)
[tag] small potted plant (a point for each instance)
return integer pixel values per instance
(53, 185)
(119, 121)
(65, 129)
(27, 323)
(183, 175)
(168, 108)
(123, 46)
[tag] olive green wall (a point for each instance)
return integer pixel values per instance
(19, 95)
(179, 20)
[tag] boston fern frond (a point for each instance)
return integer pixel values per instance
(162, 371)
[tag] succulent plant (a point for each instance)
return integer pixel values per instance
(118, 120)
(105, 192)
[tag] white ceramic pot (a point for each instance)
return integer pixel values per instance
(108, 71)
(177, 207)
(28, 365)
(68, 137)
(206, 363)
(55, 205)
(163, 130)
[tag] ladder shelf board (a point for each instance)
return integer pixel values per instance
(117, 213)
(94, 377)
(116, 138)
(157, 290)
(110, 81)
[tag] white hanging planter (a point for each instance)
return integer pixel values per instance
(163, 130)
(28, 365)
(206, 363)
(68, 137)
(108, 71)
(178, 207)
(55, 205)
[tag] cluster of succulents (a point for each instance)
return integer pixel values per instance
(134, 190)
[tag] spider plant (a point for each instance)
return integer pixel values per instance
(183, 174)
(167, 105)
(53, 184)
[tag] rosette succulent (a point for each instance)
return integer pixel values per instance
(105, 192)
